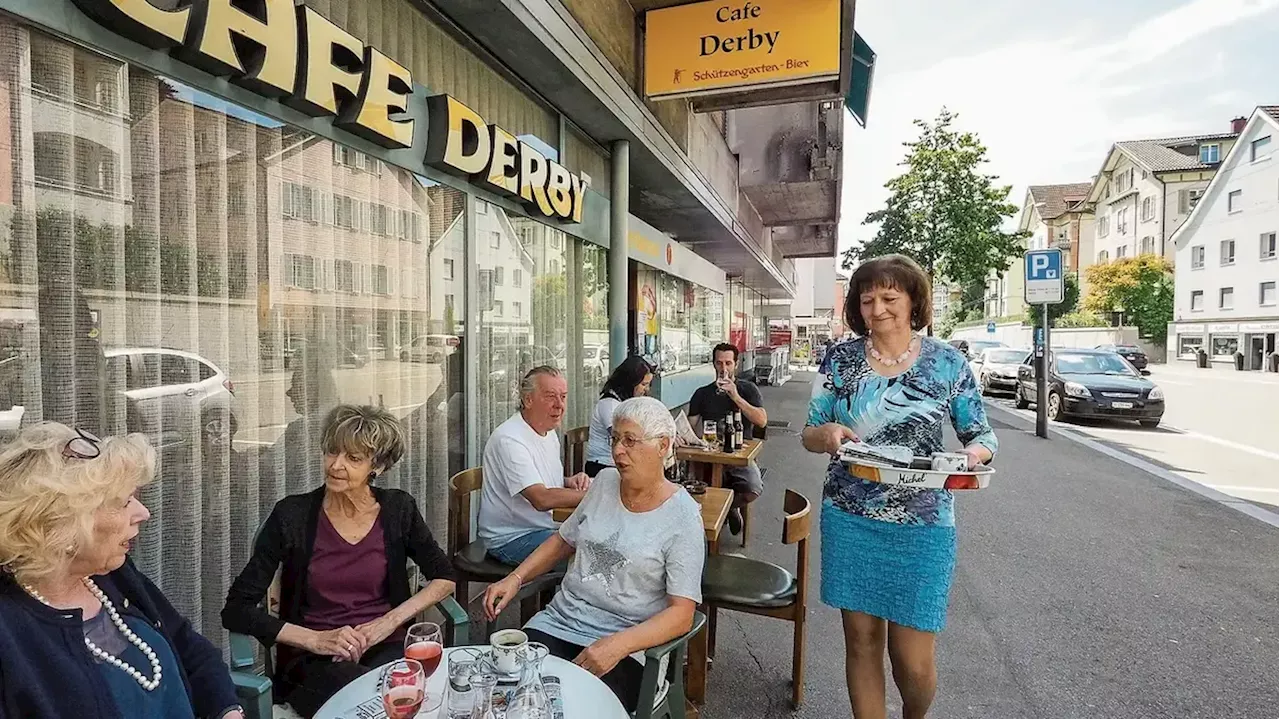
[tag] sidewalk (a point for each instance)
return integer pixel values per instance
(1084, 588)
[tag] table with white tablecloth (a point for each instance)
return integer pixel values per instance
(584, 695)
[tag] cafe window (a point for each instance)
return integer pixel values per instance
(123, 236)
(1189, 345)
(675, 307)
(1225, 345)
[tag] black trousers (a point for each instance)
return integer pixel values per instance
(310, 679)
(593, 468)
(623, 680)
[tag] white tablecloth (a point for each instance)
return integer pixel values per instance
(585, 696)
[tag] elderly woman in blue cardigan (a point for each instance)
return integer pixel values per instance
(82, 632)
(888, 552)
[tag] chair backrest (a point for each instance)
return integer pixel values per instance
(575, 450)
(461, 485)
(796, 523)
(758, 432)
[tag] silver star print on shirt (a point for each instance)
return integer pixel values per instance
(603, 561)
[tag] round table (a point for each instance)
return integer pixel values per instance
(585, 696)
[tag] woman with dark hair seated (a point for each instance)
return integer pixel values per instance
(342, 550)
(630, 379)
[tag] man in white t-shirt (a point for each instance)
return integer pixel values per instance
(524, 473)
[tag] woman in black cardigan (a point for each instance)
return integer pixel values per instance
(342, 551)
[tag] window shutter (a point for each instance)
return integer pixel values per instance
(1184, 202)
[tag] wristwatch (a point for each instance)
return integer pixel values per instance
(228, 710)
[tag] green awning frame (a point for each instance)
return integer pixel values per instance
(864, 68)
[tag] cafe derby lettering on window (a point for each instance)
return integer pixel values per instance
(299, 57)
(718, 46)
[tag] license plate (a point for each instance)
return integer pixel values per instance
(1122, 405)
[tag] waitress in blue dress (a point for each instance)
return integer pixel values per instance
(888, 552)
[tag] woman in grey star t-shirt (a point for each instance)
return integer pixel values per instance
(637, 546)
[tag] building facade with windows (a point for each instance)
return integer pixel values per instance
(1056, 218)
(1146, 189)
(215, 261)
(1225, 299)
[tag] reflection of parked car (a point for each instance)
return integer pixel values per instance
(347, 356)
(164, 387)
(510, 363)
(430, 348)
(595, 362)
(1090, 383)
(997, 368)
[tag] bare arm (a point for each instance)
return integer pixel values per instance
(545, 499)
(753, 414)
(601, 657)
(544, 558)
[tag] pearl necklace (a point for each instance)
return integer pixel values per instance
(890, 361)
(134, 639)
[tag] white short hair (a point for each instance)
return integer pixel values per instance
(651, 415)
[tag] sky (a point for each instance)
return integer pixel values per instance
(1050, 85)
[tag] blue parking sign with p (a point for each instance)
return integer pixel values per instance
(1044, 276)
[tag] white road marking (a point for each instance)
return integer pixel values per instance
(1242, 488)
(1224, 442)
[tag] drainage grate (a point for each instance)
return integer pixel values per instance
(779, 423)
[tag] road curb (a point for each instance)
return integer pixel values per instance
(1227, 500)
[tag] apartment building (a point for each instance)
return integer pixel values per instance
(1055, 216)
(1226, 272)
(1146, 189)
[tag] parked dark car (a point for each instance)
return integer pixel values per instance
(1093, 383)
(1133, 353)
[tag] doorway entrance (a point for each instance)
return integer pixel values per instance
(1257, 350)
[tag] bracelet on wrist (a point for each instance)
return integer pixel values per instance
(519, 577)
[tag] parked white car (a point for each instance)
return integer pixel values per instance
(997, 368)
(164, 387)
(430, 348)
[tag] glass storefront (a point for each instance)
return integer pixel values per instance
(180, 266)
(678, 321)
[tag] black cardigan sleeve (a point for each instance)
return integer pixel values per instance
(244, 612)
(212, 692)
(422, 548)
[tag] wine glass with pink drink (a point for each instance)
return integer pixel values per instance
(423, 644)
(403, 687)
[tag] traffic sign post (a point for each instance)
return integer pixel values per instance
(1044, 286)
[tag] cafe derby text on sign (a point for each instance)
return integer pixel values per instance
(299, 57)
(713, 47)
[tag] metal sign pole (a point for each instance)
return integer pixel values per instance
(1042, 377)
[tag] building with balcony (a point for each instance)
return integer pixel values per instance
(1146, 189)
(1225, 277)
(1055, 217)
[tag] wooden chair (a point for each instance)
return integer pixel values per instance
(662, 684)
(575, 450)
(472, 563)
(748, 585)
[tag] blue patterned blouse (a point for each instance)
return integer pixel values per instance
(906, 410)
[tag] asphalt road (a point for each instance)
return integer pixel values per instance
(1220, 428)
(1084, 588)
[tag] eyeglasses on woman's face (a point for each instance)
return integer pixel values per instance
(629, 441)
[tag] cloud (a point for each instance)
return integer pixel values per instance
(1049, 107)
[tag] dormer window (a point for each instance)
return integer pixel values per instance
(1210, 153)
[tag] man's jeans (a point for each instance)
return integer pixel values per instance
(518, 550)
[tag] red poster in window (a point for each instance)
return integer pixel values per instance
(738, 331)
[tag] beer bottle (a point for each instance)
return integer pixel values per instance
(727, 444)
(737, 431)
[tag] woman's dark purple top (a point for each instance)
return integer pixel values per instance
(346, 583)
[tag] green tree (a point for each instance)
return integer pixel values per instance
(1070, 300)
(1141, 287)
(943, 211)
(549, 293)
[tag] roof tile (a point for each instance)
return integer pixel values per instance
(1053, 200)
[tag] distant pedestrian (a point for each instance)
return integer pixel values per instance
(888, 552)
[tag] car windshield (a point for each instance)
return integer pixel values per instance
(1092, 364)
(978, 346)
(1005, 356)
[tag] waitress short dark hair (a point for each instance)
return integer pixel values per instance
(897, 272)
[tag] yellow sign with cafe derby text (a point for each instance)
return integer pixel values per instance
(712, 47)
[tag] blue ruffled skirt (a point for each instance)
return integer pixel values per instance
(898, 572)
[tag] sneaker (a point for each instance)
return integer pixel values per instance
(735, 521)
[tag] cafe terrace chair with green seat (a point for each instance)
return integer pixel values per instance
(662, 684)
(254, 688)
(741, 584)
(471, 563)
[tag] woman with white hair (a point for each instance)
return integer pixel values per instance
(83, 633)
(636, 573)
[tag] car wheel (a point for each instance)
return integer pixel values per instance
(1149, 423)
(1053, 406)
(404, 357)
(986, 387)
(1019, 399)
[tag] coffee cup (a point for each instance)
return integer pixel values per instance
(507, 646)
